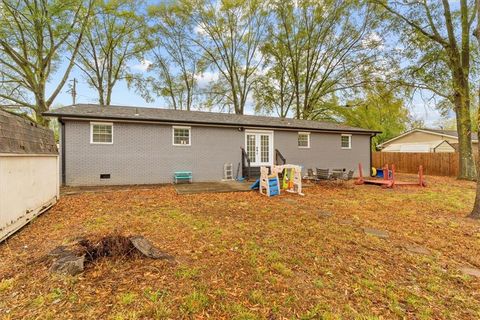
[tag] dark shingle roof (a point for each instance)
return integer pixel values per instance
(194, 117)
(20, 136)
(452, 133)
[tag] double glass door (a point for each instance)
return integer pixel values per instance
(259, 147)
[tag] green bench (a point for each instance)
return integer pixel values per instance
(182, 176)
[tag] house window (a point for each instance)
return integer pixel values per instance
(101, 133)
(346, 141)
(181, 136)
(304, 139)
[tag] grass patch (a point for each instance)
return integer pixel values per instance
(318, 312)
(127, 298)
(127, 315)
(97, 222)
(156, 306)
(318, 283)
(282, 269)
(187, 273)
(240, 312)
(38, 301)
(157, 310)
(6, 284)
(257, 297)
(274, 256)
(55, 294)
(195, 302)
(155, 296)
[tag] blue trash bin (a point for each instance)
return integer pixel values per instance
(379, 172)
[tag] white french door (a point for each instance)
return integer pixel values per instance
(259, 147)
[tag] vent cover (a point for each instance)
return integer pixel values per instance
(105, 176)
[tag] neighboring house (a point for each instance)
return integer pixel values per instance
(29, 172)
(130, 145)
(424, 140)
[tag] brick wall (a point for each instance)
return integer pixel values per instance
(143, 153)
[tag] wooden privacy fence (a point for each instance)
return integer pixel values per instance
(437, 164)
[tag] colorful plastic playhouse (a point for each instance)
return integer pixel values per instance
(269, 184)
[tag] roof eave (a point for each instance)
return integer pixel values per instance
(420, 130)
(212, 123)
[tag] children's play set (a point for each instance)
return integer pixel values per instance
(388, 178)
(270, 184)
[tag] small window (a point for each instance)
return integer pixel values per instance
(346, 141)
(304, 139)
(181, 136)
(101, 133)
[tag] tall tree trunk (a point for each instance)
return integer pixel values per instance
(109, 96)
(41, 106)
(467, 168)
(101, 96)
(475, 214)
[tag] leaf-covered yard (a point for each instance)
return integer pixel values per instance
(246, 256)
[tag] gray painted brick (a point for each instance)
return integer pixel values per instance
(143, 153)
(325, 150)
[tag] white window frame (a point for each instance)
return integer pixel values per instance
(308, 140)
(189, 136)
(349, 141)
(103, 124)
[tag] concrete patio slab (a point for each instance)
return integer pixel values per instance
(212, 187)
(376, 233)
(474, 272)
(417, 249)
(324, 214)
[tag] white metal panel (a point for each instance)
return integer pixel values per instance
(392, 148)
(415, 148)
(28, 186)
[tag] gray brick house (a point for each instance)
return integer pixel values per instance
(128, 145)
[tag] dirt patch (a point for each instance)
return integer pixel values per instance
(109, 246)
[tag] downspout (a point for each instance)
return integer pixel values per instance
(62, 141)
(371, 151)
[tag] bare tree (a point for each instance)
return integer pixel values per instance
(114, 37)
(273, 91)
(175, 58)
(319, 48)
(34, 37)
(230, 34)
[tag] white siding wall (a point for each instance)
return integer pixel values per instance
(28, 185)
(444, 147)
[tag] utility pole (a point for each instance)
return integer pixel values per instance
(73, 90)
